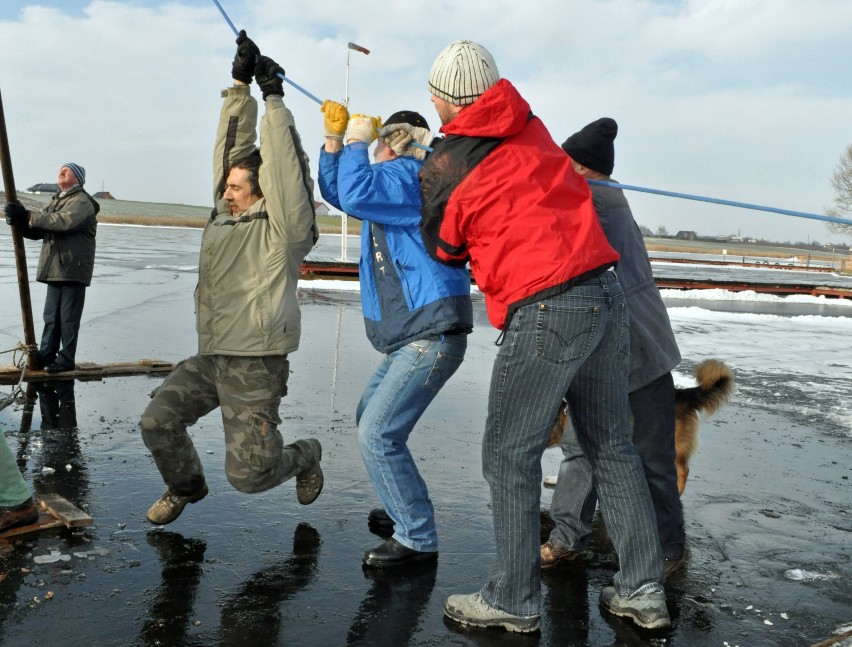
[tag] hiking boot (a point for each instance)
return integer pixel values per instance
(169, 506)
(309, 483)
(474, 611)
(23, 514)
(552, 555)
(646, 607)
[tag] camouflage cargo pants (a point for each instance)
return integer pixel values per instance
(248, 390)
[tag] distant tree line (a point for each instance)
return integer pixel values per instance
(662, 232)
(842, 183)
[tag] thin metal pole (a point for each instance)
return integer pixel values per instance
(280, 76)
(18, 243)
(346, 100)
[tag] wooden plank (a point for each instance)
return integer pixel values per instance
(65, 511)
(87, 371)
(833, 640)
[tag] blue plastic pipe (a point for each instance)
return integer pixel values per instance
(730, 203)
(627, 187)
(281, 76)
(687, 196)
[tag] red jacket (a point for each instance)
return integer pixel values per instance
(500, 193)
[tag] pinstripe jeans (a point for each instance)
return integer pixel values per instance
(575, 343)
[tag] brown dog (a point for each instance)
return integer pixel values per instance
(715, 385)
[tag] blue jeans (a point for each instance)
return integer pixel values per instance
(63, 310)
(404, 384)
(574, 344)
(574, 499)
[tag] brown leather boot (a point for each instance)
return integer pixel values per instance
(18, 515)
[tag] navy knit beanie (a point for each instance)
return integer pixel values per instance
(78, 171)
(592, 146)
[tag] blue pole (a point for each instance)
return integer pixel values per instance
(730, 203)
(281, 76)
(686, 196)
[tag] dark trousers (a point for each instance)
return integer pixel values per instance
(652, 409)
(63, 309)
(653, 412)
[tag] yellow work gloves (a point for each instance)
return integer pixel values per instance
(336, 118)
(363, 128)
(400, 137)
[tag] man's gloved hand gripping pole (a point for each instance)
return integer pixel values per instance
(279, 73)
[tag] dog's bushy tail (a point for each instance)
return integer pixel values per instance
(715, 386)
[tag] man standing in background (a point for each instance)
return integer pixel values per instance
(67, 227)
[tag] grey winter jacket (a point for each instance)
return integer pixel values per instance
(653, 349)
(67, 227)
(246, 302)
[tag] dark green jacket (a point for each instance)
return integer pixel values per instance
(67, 226)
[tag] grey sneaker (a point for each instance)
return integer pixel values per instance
(646, 607)
(473, 610)
(553, 554)
(169, 506)
(309, 483)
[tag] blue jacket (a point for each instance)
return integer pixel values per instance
(405, 295)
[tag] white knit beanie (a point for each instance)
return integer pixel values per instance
(462, 72)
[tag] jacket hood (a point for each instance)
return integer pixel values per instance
(500, 112)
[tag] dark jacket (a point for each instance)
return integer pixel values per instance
(653, 349)
(405, 295)
(67, 226)
(499, 191)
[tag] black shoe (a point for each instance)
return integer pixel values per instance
(392, 554)
(57, 368)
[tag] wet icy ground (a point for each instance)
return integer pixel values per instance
(767, 506)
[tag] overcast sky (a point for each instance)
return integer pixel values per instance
(745, 100)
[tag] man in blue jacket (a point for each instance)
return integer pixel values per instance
(416, 311)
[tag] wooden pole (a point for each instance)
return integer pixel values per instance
(18, 242)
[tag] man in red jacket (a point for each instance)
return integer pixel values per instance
(499, 193)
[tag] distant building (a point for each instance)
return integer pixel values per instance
(103, 195)
(686, 235)
(43, 187)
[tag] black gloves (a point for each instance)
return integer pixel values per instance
(248, 61)
(245, 58)
(16, 214)
(266, 73)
